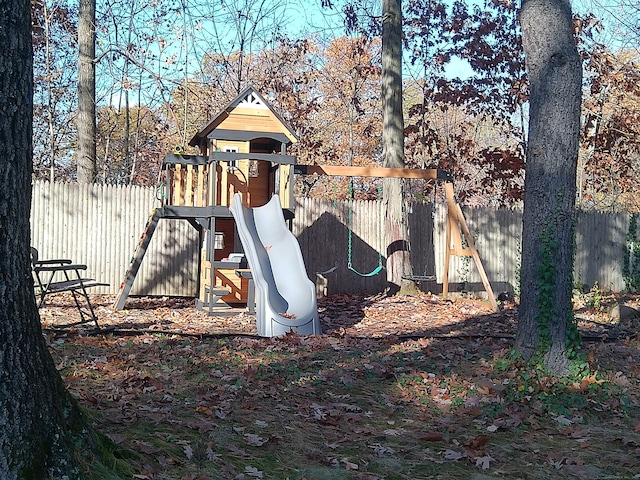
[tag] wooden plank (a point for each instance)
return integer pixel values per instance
(249, 120)
(177, 187)
(217, 184)
(198, 197)
(447, 258)
(205, 274)
(238, 287)
(455, 222)
(381, 172)
(252, 124)
(225, 187)
(254, 112)
(212, 184)
(476, 258)
(258, 188)
(188, 191)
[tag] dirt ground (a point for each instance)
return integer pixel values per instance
(354, 315)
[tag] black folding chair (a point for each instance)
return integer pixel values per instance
(62, 275)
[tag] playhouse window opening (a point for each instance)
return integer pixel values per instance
(233, 164)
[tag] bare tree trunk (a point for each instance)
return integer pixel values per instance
(86, 121)
(555, 76)
(128, 161)
(40, 424)
(398, 262)
(50, 106)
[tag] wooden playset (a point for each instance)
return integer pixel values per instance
(243, 149)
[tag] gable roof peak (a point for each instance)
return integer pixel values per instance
(251, 99)
(247, 98)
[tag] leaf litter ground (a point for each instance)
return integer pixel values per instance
(395, 388)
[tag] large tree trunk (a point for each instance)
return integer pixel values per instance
(397, 231)
(555, 76)
(86, 121)
(39, 422)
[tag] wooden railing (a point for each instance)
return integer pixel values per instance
(189, 181)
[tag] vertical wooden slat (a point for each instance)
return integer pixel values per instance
(188, 191)
(200, 196)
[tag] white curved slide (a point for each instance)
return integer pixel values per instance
(285, 297)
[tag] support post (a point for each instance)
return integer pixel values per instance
(455, 222)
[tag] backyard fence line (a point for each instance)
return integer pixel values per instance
(100, 225)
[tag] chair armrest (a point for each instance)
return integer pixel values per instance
(61, 261)
(60, 268)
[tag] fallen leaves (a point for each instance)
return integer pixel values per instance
(620, 379)
(393, 384)
(475, 444)
(349, 465)
(188, 451)
(454, 455)
(484, 462)
(254, 440)
(253, 472)
(211, 454)
(432, 437)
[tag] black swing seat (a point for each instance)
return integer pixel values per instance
(62, 275)
(420, 278)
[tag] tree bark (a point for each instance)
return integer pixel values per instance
(86, 120)
(397, 232)
(555, 76)
(39, 421)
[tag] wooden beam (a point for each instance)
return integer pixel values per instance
(476, 258)
(455, 222)
(380, 172)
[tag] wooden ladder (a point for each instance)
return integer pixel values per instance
(136, 260)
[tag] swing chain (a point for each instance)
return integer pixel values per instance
(379, 268)
(349, 243)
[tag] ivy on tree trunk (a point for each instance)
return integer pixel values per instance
(546, 325)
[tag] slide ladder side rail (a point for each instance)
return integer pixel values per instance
(136, 260)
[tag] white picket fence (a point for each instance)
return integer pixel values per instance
(100, 225)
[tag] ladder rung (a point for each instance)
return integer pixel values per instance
(218, 291)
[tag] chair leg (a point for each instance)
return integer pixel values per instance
(86, 316)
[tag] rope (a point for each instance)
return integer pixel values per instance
(405, 223)
(407, 209)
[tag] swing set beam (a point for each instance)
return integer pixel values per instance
(456, 223)
(378, 172)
